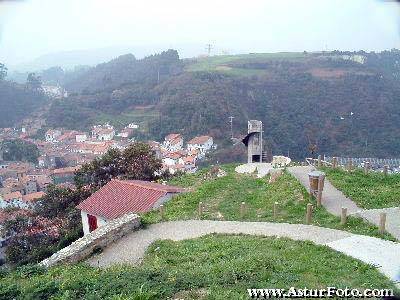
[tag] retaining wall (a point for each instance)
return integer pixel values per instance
(99, 238)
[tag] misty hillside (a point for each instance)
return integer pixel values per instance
(345, 103)
(17, 102)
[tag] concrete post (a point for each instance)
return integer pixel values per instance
(343, 218)
(382, 222)
(319, 161)
(309, 213)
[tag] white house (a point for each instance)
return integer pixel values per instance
(125, 133)
(133, 126)
(17, 200)
(189, 162)
(120, 197)
(201, 143)
(52, 135)
(80, 137)
(103, 132)
(173, 142)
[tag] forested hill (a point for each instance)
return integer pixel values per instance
(17, 102)
(345, 103)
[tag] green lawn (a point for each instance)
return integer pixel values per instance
(211, 267)
(225, 63)
(222, 198)
(368, 191)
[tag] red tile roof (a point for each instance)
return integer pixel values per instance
(12, 196)
(33, 196)
(200, 139)
(119, 197)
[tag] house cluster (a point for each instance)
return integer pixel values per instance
(22, 184)
(179, 157)
(74, 148)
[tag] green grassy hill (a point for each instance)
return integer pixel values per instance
(211, 267)
(223, 196)
(370, 191)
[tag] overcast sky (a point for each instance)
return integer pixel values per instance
(36, 27)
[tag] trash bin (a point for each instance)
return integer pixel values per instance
(314, 177)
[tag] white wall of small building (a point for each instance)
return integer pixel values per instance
(85, 223)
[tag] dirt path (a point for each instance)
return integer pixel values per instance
(131, 248)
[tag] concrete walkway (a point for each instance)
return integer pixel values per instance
(130, 249)
(333, 200)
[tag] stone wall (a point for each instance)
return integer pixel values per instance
(99, 238)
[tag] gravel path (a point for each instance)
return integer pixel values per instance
(131, 248)
(333, 200)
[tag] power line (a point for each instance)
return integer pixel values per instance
(231, 121)
(209, 47)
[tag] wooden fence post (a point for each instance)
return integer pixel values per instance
(200, 211)
(334, 162)
(242, 209)
(382, 222)
(321, 182)
(162, 211)
(350, 165)
(276, 210)
(343, 218)
(309, 213)
(366, 167)
(385, 170)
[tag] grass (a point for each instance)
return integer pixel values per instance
(225, 63)
(210, 267)
(368, 191)
(222, 197)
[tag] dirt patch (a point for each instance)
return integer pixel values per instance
(334, 72)
(223, 68)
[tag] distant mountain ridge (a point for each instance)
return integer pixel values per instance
(345, 103)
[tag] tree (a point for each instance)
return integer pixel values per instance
(3, 71)
(34, 81)
(100, 171)
(19, 150)
(59, 202)
(54, 224)
(137, 161)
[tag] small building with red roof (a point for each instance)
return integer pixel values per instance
(119, 197)
(173, 142)
(201, 143)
